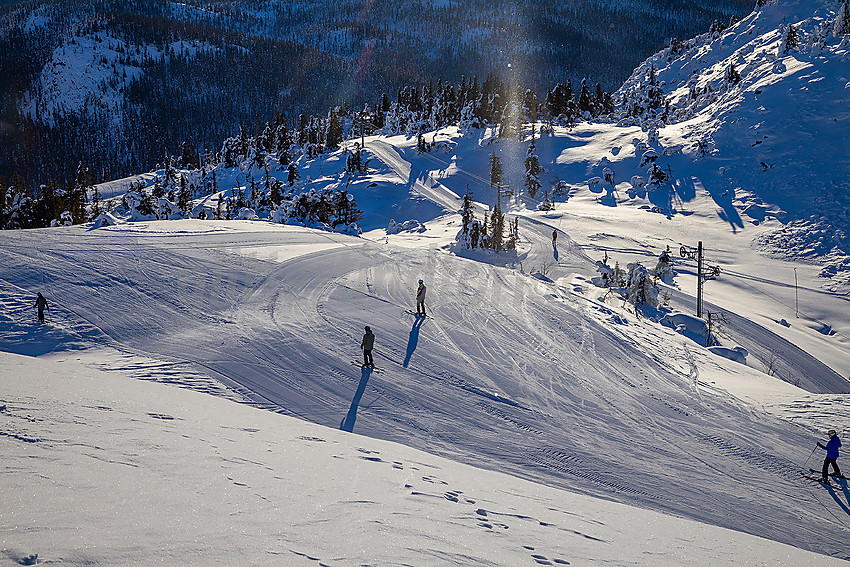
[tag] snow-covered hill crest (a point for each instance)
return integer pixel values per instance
(762, 110)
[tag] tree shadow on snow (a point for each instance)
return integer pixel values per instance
(347, 423)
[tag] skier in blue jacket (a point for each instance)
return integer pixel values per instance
(831, 455)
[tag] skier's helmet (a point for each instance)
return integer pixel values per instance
(421, 282)
(367, 328)
(831, 432)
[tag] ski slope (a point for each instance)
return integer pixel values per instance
(99, 468)
(513, 373)
(525, 367)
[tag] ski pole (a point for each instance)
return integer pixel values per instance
(810, 456)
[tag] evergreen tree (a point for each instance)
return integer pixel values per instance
(585, 102)
(842, 21)
(496, 171)
(532, 169)
(654, 94)
(497, 226)
(334, 132)
(188, 157)
(292, 174)
(466, 212)
(791, 40)
(732, 75)
(184, 198)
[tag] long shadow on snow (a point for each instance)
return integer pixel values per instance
(347, 423)
(413, 340)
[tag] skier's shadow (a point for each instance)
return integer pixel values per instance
(413, 340)
(347, 423)
(555, 251)
(834, 491)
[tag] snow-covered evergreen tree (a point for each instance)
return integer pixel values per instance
(640, 289)
(496, 170)
(532, 169)
(790, 40)
(842, 21)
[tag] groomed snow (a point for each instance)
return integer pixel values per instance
(99, 468)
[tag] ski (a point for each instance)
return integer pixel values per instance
(817, 479)
(372, 368)
(411, 312)
(833, 475)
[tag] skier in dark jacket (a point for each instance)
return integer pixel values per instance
(367, 344)
(41, 305)
(420, 299)
(831, 455)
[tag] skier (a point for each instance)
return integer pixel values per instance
(420, 300)
(831, 448)
(41, 305)
(367, 344)
(554, 237)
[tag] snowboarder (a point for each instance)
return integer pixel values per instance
(41, 305)
(831, 448)
(420, 300)
(367, 344)
(554, 237)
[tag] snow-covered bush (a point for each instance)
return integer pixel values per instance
(664, 268)
(640, 290)
(65, 219)
(406, 226)
(245, 214)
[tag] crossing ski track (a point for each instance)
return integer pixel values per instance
(513, 373)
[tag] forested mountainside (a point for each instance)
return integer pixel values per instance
(117, 84)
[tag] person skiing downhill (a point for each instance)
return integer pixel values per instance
(831, 448)
(554, 238)
(367, 344)
(420, 299)
(41, 305)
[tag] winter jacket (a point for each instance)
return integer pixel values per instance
(368, 341)
(420, 294)
(832, 447)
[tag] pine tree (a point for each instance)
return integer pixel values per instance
(842, 21)
(791, 40)
(334, 132)
(466, 212)
(732, 75)
(532, 169)
(292, 174)
(585, 103)
(654, 94)
(496, 171)
(184, 198)
(497, 226)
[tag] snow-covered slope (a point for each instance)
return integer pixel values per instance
(526, 367)
(102, 469)
(771, 139)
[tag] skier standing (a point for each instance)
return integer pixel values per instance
(554, 237)
(41, 305)
(367, 344)
(831, 455)
(420, 300)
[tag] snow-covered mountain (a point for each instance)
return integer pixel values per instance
(526, 367)
(764, 124)
(91, 81)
